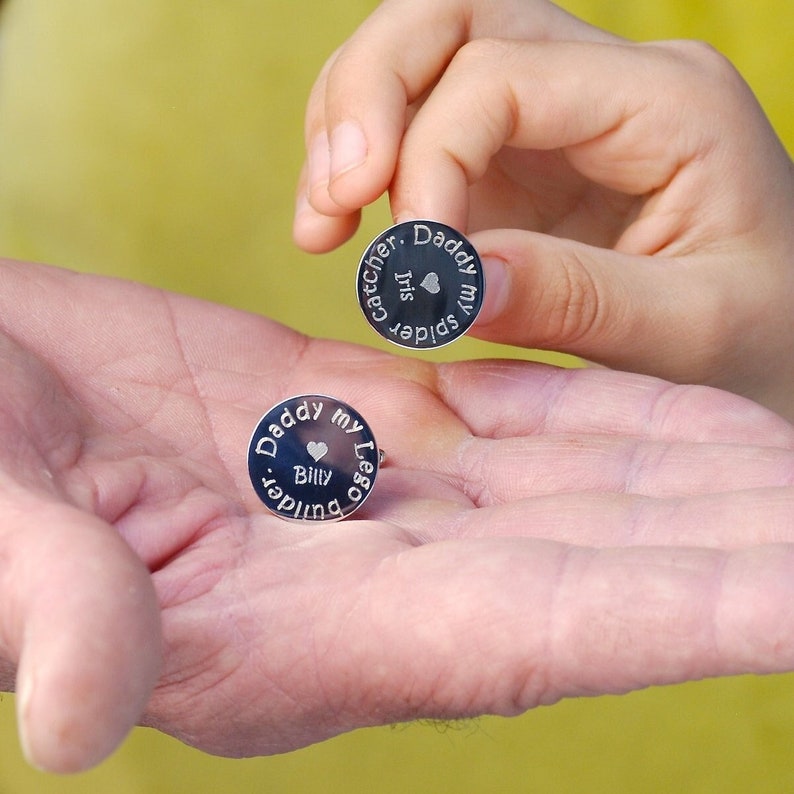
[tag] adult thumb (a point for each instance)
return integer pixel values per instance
(79, 618)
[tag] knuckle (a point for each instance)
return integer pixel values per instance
(481, 53)
(713, 72)
(477, 80)
(574, 312)
(702, 55)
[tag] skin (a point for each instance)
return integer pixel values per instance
(630, 201)
(535, 534)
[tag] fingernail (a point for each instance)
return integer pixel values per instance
(405, 215)
(497, 289)
(348, 148)
(24, 695)
(302, 206)
(319, 161)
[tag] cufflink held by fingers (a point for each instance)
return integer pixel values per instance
(420, 284)
(313, 458)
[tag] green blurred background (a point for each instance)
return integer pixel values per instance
(160, 140)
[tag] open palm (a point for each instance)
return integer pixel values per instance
(535, 533)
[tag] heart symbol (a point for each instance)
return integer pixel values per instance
(430, 283)
(317, 449)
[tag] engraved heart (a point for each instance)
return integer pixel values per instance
(430, 283)
(317, 449)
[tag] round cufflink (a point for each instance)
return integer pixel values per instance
(313, 458)
(420, 284)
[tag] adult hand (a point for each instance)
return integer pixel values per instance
(637, 202)
(536, 533)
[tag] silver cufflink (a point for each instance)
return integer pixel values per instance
(420, 284)
(313, 458)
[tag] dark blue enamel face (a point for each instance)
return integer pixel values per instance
(420, 284)
(313, 458)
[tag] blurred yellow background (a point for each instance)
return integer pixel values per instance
(160, 140)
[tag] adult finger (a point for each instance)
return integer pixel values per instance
(502, 399)
(723, 520)
(503, 625)
(81, 621)
(494, 472)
